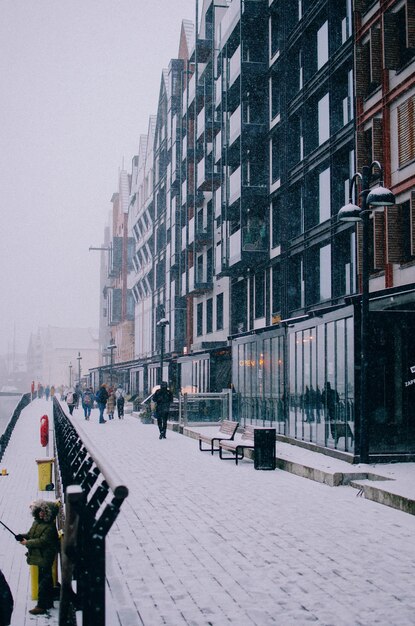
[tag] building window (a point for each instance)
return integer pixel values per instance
(323, 119)
(324, 195)
(399, 36)
(275, 96)
(259, 294)
(209, 315)
(199, 321)
(275, 158)
(325, 273)
(276, 289)
(322, 45)
(219, 311)
(406, 131)
(276, 222)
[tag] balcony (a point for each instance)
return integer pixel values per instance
(207, 177)
(234, 125)
(191, 231)
(198, 284)
(203, 234)
(229, 21)
(235, 186)
(218, 147)
(234, 66)
(201, 123)
(184, 192)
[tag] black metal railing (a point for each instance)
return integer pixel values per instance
(93, 495)
(5, 437)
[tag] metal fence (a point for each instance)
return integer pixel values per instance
(5, 437)
(93, 495)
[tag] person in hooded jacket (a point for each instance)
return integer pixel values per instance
(42, 543)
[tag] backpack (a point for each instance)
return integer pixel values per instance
(87, 399)
(69, 398)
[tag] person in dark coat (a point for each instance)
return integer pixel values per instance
(42, 543)
(87, 402)
(6, 602)
(162, 399)
(101, 397)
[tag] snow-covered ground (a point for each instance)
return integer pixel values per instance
(201, 541)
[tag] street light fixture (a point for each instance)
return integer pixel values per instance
(162, 323)
(351, 212)
(79, 358)
(70, 374)
(111, 348)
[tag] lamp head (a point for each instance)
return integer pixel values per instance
(380, 196)
(350, 213)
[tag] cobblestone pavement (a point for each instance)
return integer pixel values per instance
(201, 541)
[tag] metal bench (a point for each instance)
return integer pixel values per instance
(237, 447)
(226, 432)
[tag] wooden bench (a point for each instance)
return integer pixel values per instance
(226, 431)
(237, 447)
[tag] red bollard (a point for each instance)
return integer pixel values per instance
(44, 431)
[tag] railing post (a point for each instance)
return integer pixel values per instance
(75, 500)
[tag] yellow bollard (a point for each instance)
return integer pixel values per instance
(44, 467)
(34, 577)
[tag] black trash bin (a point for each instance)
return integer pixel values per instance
(264, 450)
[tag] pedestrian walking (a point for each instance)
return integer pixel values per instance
(162, 399)
(101, 397)
(71, 399)
(52, 392)
(111, 404)
(42, 543)
(87, 402)
(47, 392)
(6, 601)
(120, 398)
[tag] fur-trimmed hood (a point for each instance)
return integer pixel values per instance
(50, 509)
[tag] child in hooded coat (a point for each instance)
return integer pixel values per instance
(42, 543)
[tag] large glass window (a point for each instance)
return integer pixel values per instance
(219, 311)
(209, 315)
(323, 119)
(324, 195)
(325, 273)
(199, 320)
(322, 45)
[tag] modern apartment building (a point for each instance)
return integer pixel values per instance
(243, 273)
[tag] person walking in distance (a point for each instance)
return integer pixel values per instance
(101, 397)
(87, 402)
(71, 400)
(42, 543)
(111, 403)
(162, 399)
(120, 398)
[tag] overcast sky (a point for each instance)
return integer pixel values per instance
(79, 79)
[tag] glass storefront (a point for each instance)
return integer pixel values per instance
(299, 381)
(304, 378)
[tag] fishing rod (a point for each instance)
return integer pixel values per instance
(7, 528)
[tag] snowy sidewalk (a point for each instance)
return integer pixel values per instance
(201, 541)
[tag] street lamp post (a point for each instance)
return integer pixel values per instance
(79, 358)
(162, 323)
(70, 374)
(111, 348)
(370, 200)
